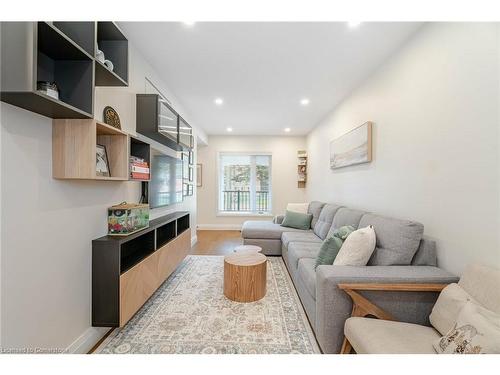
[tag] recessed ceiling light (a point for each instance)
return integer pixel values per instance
(229, 129)
(304, 101)
(219, 101)
(353, 24)
(287, 130)
(189, 23)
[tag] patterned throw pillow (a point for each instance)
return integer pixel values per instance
(476, 331)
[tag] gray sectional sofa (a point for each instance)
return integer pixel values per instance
(402, 255)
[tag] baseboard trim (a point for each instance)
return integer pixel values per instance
(84, 343)
(218, 227)
(194, 239)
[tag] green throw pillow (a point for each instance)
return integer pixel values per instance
(297, 220)
(331, 245)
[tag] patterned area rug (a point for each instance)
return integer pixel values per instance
(189, 314)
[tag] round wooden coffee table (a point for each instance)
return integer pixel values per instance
(245, 276)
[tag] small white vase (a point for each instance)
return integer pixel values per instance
(109, 64)
(100, 56)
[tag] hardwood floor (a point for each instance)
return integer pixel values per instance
(216, 242)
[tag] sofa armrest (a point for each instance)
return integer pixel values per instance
(334, 306)
(388, 287)
(278, 219)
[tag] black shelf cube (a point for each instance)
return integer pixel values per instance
(114, 45)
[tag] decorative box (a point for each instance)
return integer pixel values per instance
(127, 218)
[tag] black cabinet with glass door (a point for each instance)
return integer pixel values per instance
(156, 119)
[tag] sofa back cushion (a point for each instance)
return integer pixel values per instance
(315, 209)
(397, 240)
(426, 254)
(325, 220)
(344, 217)
(483, 284)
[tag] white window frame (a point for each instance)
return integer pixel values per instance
(253, 212)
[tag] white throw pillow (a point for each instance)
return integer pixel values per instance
(357, 248)
(298, 207)
(476, 331)
(450, 302)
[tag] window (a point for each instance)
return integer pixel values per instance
(244, 183)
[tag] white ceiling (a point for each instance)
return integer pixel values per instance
(262, 70)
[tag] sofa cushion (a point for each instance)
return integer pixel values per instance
(397, 240)
(357, 248)
(297, 220)
(303, 236)
(298, 250)
(264, 229)
(476, 331)
(426, 253)
(315, 209)
(331, 246)
(344, 217)
(325, 220)
(298, 207)
(374, 336)
(307, 274)
(447, 307)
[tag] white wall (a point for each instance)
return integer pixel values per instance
(284, 175)
(434, 105)
(48, 225)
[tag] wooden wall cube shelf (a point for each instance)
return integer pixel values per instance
(74, 150)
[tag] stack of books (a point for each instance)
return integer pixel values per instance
(139, 168)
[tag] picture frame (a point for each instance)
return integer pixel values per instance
(102, 163)
(199, 177)
(352, 148)
(191, 174)
(185, 166)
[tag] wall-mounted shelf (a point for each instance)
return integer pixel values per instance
(74, 150)
(126, 271)
(301, 169)
(39, 51)
(63, 53)
(105, 77)
(112, 42)
(142, 151)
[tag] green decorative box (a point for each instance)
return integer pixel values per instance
(127, 218)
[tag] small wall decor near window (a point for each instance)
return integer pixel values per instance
(354, 147)
(301, 169)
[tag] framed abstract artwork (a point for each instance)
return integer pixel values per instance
(354, 147)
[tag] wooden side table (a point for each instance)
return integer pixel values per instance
(245, 276)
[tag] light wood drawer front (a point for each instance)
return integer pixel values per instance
(172, 254)
(136, 286)
(141, 281)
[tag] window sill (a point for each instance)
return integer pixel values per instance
(243, 214)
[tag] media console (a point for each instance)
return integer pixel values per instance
(126, 271)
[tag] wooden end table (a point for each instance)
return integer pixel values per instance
(245, 276)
